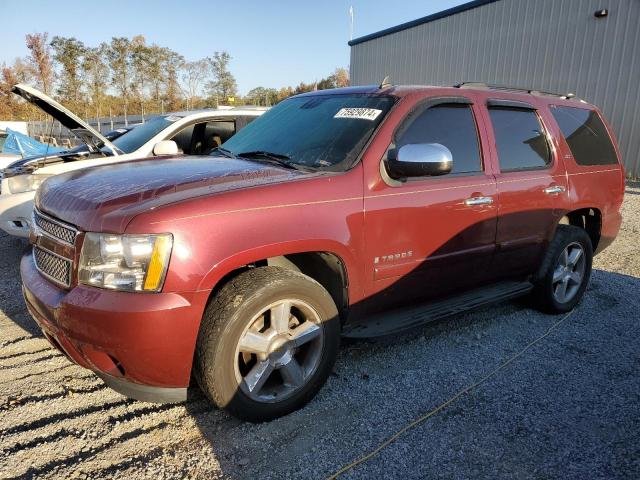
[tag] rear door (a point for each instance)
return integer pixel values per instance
(531, 184)
(430, 236)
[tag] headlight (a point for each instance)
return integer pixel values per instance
(133, 263)
(25, 183)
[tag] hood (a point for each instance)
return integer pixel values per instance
(106, 198)
(79, 127)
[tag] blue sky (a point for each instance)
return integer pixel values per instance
(273, 43)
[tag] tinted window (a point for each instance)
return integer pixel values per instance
(451, 125)
(326, 132)
(586, 135)
(520, 138)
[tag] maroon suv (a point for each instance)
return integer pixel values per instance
(244, 268)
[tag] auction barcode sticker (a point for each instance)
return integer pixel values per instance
(362, 113)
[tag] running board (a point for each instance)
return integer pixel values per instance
(399, 320)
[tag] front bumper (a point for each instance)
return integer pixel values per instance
(140, 344)
(15, 213)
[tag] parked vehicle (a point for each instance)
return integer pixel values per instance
(186, 133)
(25, 149)
(243, 268)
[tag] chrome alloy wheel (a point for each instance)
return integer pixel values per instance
(568, 274)
(279, 350)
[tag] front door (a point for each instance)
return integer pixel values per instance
(432, 236)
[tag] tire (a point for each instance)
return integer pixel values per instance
(548, 286)
(247, 362)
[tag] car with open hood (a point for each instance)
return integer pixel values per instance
(18, 149)
(183, 133)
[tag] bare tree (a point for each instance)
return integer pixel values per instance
(40, 59)
(193, 76)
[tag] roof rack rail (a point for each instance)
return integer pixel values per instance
(482, 85)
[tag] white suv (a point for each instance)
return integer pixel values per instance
(190, 133)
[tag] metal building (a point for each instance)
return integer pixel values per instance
(587, 47)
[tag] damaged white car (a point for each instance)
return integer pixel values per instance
(189, 133)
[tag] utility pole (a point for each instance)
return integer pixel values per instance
(351, 23)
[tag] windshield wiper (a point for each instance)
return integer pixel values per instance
(277, 158)
(224, 152)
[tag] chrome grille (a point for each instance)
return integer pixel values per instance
(53, 228)
(52, 266)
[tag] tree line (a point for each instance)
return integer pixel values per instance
(129, 76)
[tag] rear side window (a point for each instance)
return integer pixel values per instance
(451, 125)
(586, 136)
(520, 139)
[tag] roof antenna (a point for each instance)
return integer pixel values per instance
(386, 83)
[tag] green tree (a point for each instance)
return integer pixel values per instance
(265, 97)
(118, 54)
(40, 59)
(326, 83)
(69, 52)
(172, 93)
(156, 63)
(140, 57)
(95, 73)
(223, 86)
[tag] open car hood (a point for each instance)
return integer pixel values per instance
(82, 129)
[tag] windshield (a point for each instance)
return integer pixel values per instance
(134, 139)
(325, 132)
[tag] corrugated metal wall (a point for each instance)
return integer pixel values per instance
(554, 45)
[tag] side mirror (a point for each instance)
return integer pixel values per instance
(165, 147)
(419, 160)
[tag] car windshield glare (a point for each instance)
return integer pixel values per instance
(324, 132)
(135, 138)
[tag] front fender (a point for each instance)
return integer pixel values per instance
(229, 264)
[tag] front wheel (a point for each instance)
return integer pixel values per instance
(565, 271)
(267, 343)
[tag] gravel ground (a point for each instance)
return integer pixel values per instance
(569, 407)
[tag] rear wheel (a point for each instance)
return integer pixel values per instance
(267, 343)
(565, 271)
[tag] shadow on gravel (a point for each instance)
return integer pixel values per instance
(290, 445)
(11, 301)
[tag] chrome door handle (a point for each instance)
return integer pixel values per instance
(554, 190)
(478, 201)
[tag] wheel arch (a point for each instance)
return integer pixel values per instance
(330, 266)
(589, 219)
